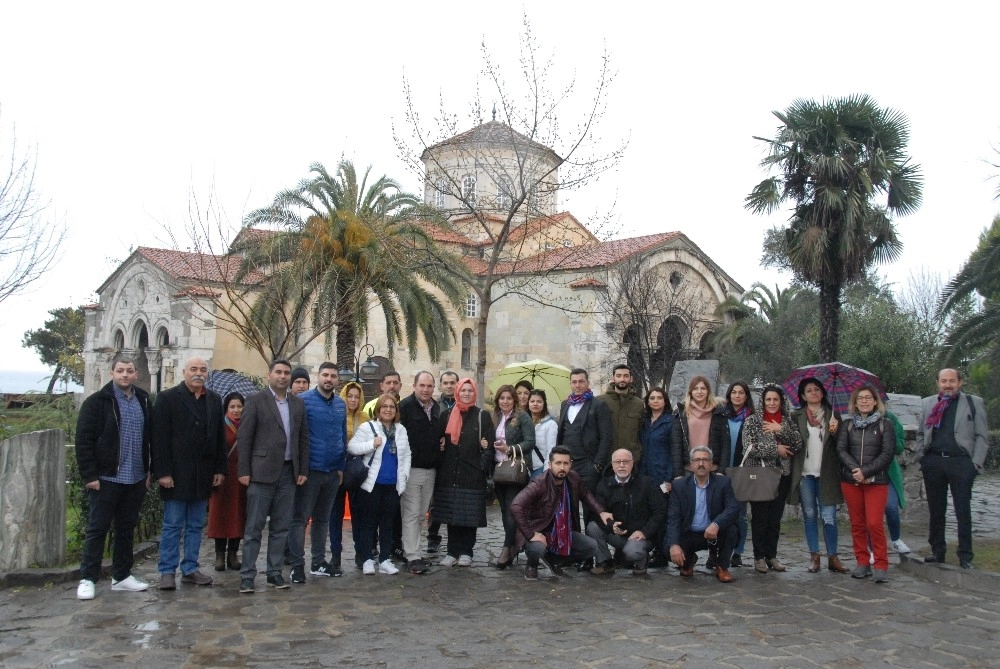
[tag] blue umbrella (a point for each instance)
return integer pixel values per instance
(225, 381)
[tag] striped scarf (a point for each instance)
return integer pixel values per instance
(561, 534)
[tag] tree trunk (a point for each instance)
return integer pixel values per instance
(345, 344)
(484, 319)
(54, 378)
(829, 319)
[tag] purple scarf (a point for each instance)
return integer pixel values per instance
(561, 535)
(580, 399)
(742, 414)
(937, 413)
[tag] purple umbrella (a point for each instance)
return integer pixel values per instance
(840, 381)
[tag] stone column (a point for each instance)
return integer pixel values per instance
(154, 358)
(33, 500)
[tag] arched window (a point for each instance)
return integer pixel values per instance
(439, 193)
(469, 189)
(467, 348)
(472, 306)
(505, 193)
(119, 340)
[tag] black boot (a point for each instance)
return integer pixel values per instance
(220, 561)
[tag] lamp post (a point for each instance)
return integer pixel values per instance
(362, 371)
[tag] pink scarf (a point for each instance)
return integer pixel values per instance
(699, 421)
(455, 418)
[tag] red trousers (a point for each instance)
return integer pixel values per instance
(866, 509)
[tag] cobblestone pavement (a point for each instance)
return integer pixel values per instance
(482, 617)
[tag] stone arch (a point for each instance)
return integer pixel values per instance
(162, 338)
(140, 342)
(467, 348)
(670, 344)
(705, 345)
(118, 340)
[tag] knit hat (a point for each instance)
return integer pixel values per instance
(300, 373)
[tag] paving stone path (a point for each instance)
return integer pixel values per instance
(481, 617)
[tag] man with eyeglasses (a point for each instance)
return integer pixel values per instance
(702, 515)
(639, 510)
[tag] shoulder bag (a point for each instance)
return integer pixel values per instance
(754, 484)
(356, 470)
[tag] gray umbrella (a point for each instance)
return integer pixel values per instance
(225, 381)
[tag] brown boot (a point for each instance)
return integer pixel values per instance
(813, 563)
(232, 561)
(220, 561)
(833, 563)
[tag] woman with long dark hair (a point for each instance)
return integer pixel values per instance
(772, 439)
(654, 436)
(815, 479)
(227, 507)
(522, 390)
(460, 487)
(515, 437)
(546, 431)
(738, 408)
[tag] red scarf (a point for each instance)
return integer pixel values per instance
(772, 417)
(455, 418)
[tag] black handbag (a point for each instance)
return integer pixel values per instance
(754, 484)
(514, 470)
(356, 469)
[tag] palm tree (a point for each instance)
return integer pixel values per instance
(844, 167)
(976, 334)
(341, 243)
(759, 303)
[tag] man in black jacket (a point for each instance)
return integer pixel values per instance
(189, 459)
(703, 511)
(421, 416)
(639, 508)
(112, 452)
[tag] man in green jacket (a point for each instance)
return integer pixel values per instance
(626, 413)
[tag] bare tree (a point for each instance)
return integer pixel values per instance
(650, 312)
(497, 183)
(29, 240)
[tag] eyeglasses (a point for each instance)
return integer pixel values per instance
(701, 460)
(620, 462)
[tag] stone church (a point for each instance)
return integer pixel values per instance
(570, 297)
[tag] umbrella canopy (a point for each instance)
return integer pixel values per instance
(840, 381)
(225, 381)
(547, 376)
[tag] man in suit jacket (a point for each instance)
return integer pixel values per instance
(703, 511)
(273, 447)
(189, 459)
(953, 437)
(586, 429)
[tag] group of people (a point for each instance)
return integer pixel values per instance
(651, 480)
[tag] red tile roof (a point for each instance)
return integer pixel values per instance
(589, 282)
(196, 266)
(596, 255)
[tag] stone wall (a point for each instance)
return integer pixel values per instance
(33, 500)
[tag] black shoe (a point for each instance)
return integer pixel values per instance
(321, 569)
(433, 545)
(246, 586)
(712, 562)
(736, 561)
(277, 581)
(530, 573)
(965, 564)
(399, 554)
(335, 569)
(658, 561)
(553, 566)
(417, 566)
(936, 558)
(607, 567)
(586, 565)
(298, 574)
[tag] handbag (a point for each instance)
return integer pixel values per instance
(356, 469)
(514, 470)
(754, 484)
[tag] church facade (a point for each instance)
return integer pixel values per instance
(568, 297)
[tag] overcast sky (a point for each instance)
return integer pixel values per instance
(132, 106)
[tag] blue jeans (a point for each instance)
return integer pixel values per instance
(892, 513)
(315, 499)
(742, 527)
(813, 507)
(187, 516)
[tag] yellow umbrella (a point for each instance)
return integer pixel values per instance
(547, 376)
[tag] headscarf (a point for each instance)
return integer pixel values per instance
(352, 418)
(454, 427)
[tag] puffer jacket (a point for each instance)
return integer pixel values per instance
(872, 448)
(763, 445)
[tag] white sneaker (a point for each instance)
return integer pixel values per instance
(448, 561)
(900, 546)
(387, 567)
(464, 560)
(130, 584)
(85, 590)
(369, 568)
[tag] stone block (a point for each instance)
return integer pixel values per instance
(33, 500)
(907, 408)
(684, 370)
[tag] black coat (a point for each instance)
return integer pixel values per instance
(189, 442)
(98, 443)
(639, 503)
(871, 448)
(722, 506)
(424, 435)
(460, 485)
